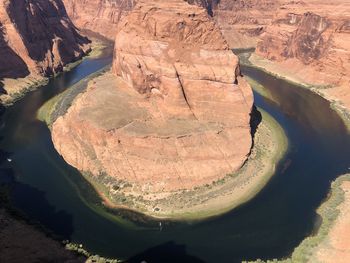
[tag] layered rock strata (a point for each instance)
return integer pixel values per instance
(174, 115)
(36, 39)
(99, 16)
(311, 42)
(242, 22)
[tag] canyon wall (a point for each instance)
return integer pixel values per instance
(99, 16)
(242, 22)
(174, 115)
(311, 41)
(36, 39)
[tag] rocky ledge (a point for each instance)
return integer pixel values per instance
(174, 114)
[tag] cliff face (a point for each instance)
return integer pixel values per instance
(242, 22)
(312, 40)
(36, 39)
(99, 16)
(176, 116)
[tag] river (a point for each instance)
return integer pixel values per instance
(51, 192)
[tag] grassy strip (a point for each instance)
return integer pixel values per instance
(25, 85)
(58, 105)
(78, 248)
(329, 212)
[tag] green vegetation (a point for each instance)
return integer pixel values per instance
(90, 258)
(23, 87)
(58, 105)
(329, 212)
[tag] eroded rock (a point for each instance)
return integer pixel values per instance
(174, 115)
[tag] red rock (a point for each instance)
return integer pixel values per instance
(242, 22)
(99, 16)
(178, 114)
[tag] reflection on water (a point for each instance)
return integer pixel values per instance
(269, 226)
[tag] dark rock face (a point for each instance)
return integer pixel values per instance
(47, 33)
(37, 39)
(37, 33)
(14, 67)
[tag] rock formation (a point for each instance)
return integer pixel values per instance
(37, 39)
(176, 112)
(240, 21)
(99, 16)
(312, 40)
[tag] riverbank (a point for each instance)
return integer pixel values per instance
(270, 144)
(17, 88)
(332, 238)
(325, 91)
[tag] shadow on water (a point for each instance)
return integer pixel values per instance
(24, 196)
(169, 252)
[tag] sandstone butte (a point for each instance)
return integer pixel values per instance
(309, 42)
(36, 39)
(241, 22)
(173, 114)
